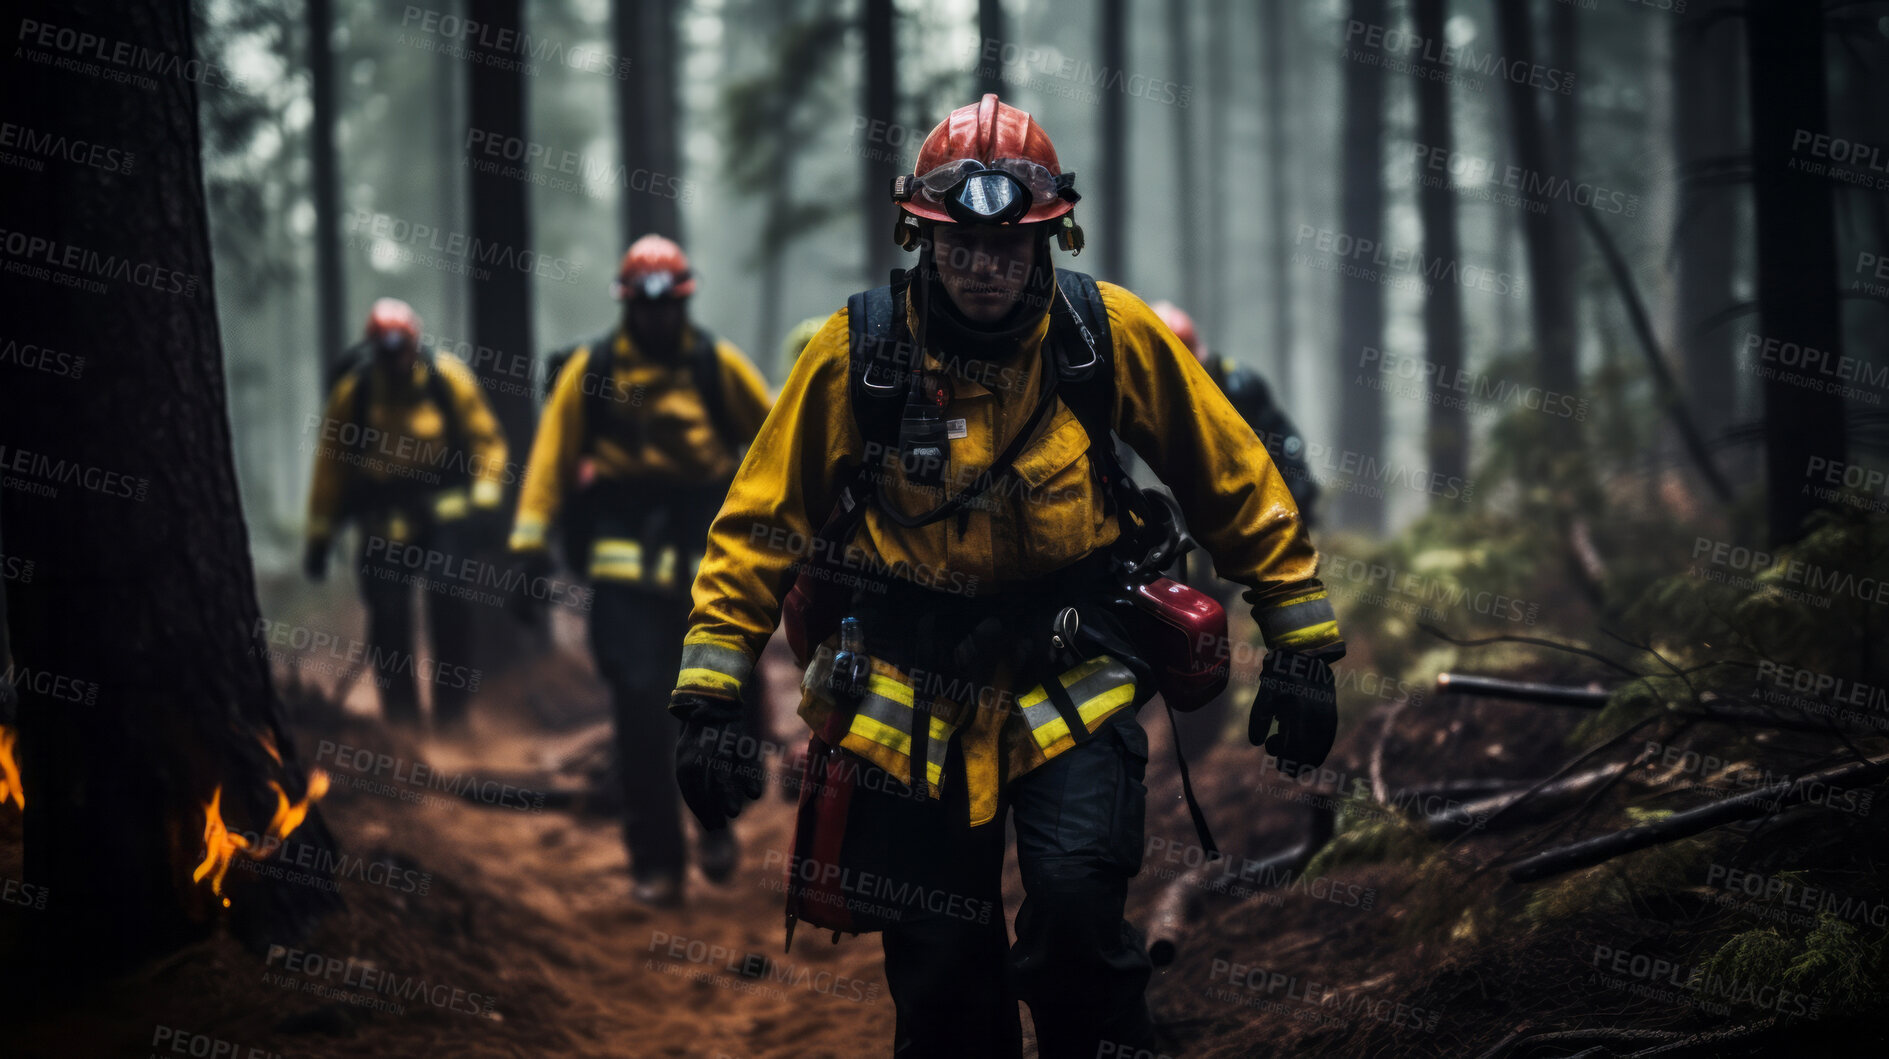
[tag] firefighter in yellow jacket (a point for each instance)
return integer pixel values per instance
(983, 668)
(408, 450)
(641, 434)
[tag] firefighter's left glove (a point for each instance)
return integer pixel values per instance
(1300, 692)
(717, 770)
(315, 560)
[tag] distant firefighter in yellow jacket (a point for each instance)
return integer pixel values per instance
(940, 464)
(409, 452)
(641, 434)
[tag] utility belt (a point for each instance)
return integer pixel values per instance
(642, 532)
(403, 510)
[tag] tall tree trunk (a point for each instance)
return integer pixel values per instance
(647, 109)
(1361, 300)
(1214, 187)
(880, 103)
(1564, 160)
(1276, 25)
(1111, 185)
(990, 27)
(1797, 283)
(1186, 167)
(501, 218)
(1705, 84)
(1550, 289)
(1447, 440)
(141, 614)
(331, 292)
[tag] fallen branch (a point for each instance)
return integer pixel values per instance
(1521, 691)
(1181, 901)
(1541, 800)
(1764, 801)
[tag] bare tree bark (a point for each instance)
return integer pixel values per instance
(331, 291)
(1276, 25)
(1111, 215)
(1361, 299)
(1447, 439)
(1797, 284)
(1186, 167)
(990, 27)
(1550, 289)
(141, 615)
(647, 114)
(501, 216)
(880, 103)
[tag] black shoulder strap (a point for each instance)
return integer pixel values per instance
(441, 393)
(875, 375)
(1086, 354)
(601, 364)
(705, 365)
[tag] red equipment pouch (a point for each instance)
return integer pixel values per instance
(834, 847)
(1183, 633)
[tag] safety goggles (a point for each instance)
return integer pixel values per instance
(998, 193)
(648, 287)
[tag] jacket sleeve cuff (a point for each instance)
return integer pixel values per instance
(1304, 623)
(716, 668)
(527, 535)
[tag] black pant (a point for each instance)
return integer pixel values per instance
(388, 585)
(1078, 964)
(636, 638)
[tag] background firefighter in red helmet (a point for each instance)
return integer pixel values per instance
(409, 452)
(940, 451)
(1247, 391)
(640, 436)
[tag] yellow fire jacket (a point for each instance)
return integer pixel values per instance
(1166, 406)
(401, 453)
(658, 429)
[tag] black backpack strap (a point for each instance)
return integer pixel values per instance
(705, 367)
(602, 362)
(875, 376)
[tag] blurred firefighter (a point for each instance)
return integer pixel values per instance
(941, 451)
(410, 453)
(640, 437)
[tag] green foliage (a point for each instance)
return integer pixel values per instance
(1837, 966)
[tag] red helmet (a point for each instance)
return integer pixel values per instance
(1180, 323)
(654, 267)
(987, 163)
(393, 323)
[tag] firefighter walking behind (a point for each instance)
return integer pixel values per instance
(937, 483)
(409, 451)
(639, 438)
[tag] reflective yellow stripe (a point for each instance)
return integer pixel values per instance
(892, 688)
(527, 534)
(616, 559)
(1322, 633)
(1069, 679)
(487, 493)
(900, 742)
(453, 503)
(707, 680)
(1090, 712)
(666, 567)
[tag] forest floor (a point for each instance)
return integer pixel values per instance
(520, 925)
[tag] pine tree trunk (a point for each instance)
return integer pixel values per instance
(146, 689)
(1110, 231)
(1705, 84)
(501, 219)
(1361, 300)
(331, 292)
(880, 105)
(1797, 283)
(1276, 25)
(1448, 435)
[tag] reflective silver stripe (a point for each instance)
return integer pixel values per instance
(724, 660)
(1282, 621)
(1098, 681)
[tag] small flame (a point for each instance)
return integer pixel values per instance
(221, 846)
(10, 788)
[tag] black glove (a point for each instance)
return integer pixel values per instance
(1301, 693)
(527, 605)
(315, 560)
(717, 770)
